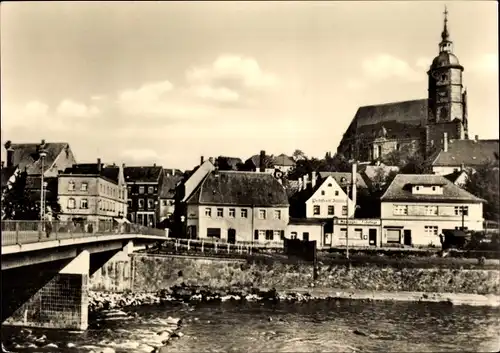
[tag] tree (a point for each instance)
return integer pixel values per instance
(21, 204)
(484, 183)
(298, 155)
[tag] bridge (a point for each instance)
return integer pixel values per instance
(46, 267)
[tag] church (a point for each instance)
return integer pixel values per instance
(414, 125)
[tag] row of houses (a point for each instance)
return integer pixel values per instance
(101, 192)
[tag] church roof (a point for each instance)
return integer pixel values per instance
(413, 112)
(445, 59)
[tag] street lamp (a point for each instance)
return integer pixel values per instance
(42, 153)
(344, 180)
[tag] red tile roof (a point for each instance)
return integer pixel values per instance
(468, 153)
(400, 190)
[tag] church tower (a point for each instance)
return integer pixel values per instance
(447, 100)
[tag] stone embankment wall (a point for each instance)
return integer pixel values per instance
(151, 273)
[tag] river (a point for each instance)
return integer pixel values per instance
(327, 326)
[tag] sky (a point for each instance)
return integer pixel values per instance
(167, 82)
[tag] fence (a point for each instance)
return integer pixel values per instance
(25, 232)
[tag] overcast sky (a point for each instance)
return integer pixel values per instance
(165, 82)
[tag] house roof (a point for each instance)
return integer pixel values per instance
(400, 190)
(413, 112)
(453, 177)
(284, 160)
(111, 173)
(468, 153)
(7, 173)
(360, 182)
(239, 188)
(26, 156)
(143, 174)
(169, 183)
(170, 171)
(291, 187)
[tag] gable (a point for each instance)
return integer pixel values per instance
(328, 191)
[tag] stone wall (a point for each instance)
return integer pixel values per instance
(152, 273)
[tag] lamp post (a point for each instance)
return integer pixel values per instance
(42, 154)
(344, 180)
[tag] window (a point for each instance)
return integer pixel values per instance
(150, 190)
(329, 185)
(431, 210)
(84, 187)
(141, 189)
(71, 186)
(84, 204)
(269, 235)
(316, 210)
(344, 210)
(260, 234)
(417, 188)
(150, 204)
(343, 232)
(322, 192)
(431, 230)
(71, 203)
(164, 203)
(129, 189)
(433, 188)
(262, 214)
(244, 213)
(208, 212)
(232, 212)
(293, 235)
(277, 214)
(129, 202)
(458, 210)
(331, 210)
(397, 147)
(220, 212)
(336, 193)
(213, 232)
(305, 236)
(141, 203)
(358, 233)
(400, 210)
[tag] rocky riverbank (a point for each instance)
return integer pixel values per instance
(194, 294)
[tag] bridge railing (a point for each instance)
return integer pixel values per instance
(25, 232)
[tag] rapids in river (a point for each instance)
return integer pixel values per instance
(322, 326)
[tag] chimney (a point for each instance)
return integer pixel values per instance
(476, 138)
(445, 142)
(173, 172)
(462, 167)
(211, 160)
(354, 181)
(300, 184)
(262, 159)
(313, 179)
(306, 181)
(154, 164)
(10, 154)
(99, 165)
(202, 159)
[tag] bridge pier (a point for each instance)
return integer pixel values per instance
(62, 303)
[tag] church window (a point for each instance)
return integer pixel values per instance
(397, 146)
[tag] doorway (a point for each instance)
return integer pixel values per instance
(407, 237)
(231, 236)
(372, 236)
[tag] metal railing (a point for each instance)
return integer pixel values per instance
(25, 232)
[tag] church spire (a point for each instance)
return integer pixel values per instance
(445, 45)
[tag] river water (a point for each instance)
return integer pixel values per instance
(327, 326)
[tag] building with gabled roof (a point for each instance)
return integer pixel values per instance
(416, 208)
(459, 155)
(93, 192)
(167, 195)
(238, 206)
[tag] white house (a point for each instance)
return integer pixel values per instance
(416, 208)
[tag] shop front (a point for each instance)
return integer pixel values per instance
(364, 232)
